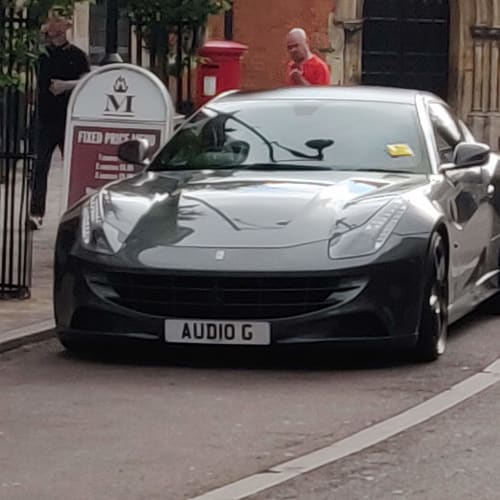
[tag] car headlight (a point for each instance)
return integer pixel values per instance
(108, 218)
(369, 237)
(97, 234)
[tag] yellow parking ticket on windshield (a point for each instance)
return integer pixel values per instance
(399, 150)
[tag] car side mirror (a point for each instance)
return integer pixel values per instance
(468, 154)
(135, 151)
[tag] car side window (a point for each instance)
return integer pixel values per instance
(447, 130)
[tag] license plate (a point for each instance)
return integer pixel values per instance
(182, 331)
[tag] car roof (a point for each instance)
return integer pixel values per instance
(355, 93)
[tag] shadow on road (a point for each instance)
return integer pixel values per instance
(276, 358)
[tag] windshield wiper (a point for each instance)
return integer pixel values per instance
(270, 166)
(251, 166)
(381, 170)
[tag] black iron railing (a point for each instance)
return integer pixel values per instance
(17, 82)
(171, 57)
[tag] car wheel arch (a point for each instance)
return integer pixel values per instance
(440, 229)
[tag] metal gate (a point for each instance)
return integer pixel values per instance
(406, 44)
(16, 158)
(171, 57)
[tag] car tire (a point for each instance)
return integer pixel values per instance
(433, 328)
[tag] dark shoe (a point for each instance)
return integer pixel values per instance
(35, 222)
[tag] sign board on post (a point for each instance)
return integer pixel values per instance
(109, 106)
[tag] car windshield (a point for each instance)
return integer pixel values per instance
(298, 134)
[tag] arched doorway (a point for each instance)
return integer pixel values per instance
(406, 44)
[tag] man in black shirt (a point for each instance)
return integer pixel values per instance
(60, 68)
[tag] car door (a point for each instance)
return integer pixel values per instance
(467, 205)
(492, 174)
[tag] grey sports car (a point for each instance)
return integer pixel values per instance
(294, 216)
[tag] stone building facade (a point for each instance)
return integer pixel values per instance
(465, 34)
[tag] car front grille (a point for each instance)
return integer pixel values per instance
(224, 297)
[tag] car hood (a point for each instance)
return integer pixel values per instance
(245, 209)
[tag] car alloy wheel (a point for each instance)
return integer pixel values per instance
(433, 331)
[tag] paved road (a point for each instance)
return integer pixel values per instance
(453, 457)
(157, 428)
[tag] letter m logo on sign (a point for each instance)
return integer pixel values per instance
(122, 104)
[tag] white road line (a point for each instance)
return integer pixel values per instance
(357, 442)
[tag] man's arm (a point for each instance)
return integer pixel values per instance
(83, 63)
(325, 77)
(321, 74)
(43, 76)
(297, 77)
(60, 86)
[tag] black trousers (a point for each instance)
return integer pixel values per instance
(48, 138)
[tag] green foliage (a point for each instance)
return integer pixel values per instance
(174, 12)
(20, 35)
(39, 9)
(161, 23)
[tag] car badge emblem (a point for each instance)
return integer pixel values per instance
(220, 254)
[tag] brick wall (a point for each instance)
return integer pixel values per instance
(263, 26)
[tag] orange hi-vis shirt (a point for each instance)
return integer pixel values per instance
(314, 70)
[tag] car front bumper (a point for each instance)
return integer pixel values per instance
(374, 304)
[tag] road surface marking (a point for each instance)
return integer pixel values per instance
(370, 436)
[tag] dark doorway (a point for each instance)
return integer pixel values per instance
(406, 44)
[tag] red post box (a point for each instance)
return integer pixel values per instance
(220, 69)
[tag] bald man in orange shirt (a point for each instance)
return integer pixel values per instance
(305, 68)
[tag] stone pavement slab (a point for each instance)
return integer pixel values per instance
(19, 318)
